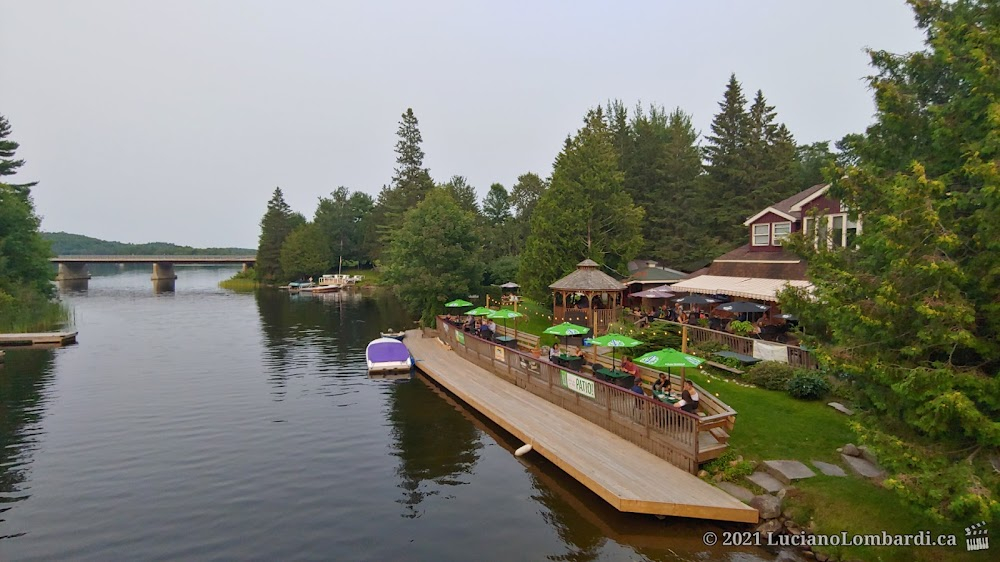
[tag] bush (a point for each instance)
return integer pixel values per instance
(741, 327)
(710, 347)
(732, 467)
(772, 375)
(808, 385)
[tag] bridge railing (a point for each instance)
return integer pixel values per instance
(135, 258)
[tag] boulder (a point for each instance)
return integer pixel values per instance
(851, 450)
(738, 492)
(867, 454)
(829, 469)
(768, 528)
(768, 506)
(822, 557)
(864, 468)
(766, 481)
(702, 474)
(841, 408)
(787, 471)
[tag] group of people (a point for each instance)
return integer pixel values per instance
(485, 328)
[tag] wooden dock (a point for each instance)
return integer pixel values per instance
(626, 476)
(40, 339)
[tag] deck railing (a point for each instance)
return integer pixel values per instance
(665, 431)
(797, 357)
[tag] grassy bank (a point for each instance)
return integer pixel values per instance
(30, 312)
(241, 282)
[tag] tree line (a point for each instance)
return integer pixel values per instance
(25, 272)
(66, 244)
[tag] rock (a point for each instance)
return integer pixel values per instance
(787, 491)
(851, 450)
(822, 557)
(841, 408)
(718, 477)
(829, 469)
(787, 471)
(808, 554)
(738, 492)
(788, 555)
(794, 530)
(861, 467)
(867, 454)
(766, 481)
(768, 528)
(768, 506)
(840, 449)
(702, 474)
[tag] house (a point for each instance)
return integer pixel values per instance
(763, 267)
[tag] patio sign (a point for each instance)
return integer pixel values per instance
(577, 384)
(460, 337)
(498, 353)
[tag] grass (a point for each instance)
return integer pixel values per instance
(31, 312)
(371, 276)
(240, 285)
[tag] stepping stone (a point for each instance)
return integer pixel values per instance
(738, 492)
(841, 408)
(786, 471)
(862, 467)
(766, 481)
(829, 469)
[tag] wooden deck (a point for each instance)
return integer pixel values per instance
(618, 471)
(43, 339)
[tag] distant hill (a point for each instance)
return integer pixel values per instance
(66, 244)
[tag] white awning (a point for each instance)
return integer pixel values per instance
(745, 287)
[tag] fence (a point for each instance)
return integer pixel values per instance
(797, 357)
(664, 431)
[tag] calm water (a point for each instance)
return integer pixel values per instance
(207, 425)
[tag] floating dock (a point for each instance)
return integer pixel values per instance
(628, 477)
(41, 339)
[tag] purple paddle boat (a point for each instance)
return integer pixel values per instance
(388, 354)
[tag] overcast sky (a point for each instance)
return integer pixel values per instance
(174, 121)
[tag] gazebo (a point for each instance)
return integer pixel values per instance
(588, 296)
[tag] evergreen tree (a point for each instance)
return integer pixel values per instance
(810, 161)
(770, 157)
(463, 194)
(523, 198)
(305, 253)
(586, 213)
(277, 223)
(434, 256)
(912, 313)
(725, 200)
(496, 205)
(341, 220)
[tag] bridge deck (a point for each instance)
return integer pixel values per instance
(618, 471)
(154, 259)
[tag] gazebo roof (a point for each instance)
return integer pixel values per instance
(588, 278)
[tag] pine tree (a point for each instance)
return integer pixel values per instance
(463, 194)
(496, 206)
(305, 253)
(586, 213)
(278, 222)
(341, 220)
(728, 186)
(523, 198)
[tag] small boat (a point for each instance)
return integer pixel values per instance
(393, 335)
(388, 354)
(325, 289)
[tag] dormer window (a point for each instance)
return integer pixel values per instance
(780, 231)
(761, 234)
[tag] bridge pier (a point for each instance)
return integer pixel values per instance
(246, 266)
(72, 272)
(163, 270)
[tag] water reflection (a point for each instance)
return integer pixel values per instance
(24, 390)
(435, 445)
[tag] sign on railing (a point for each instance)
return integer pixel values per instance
(577, 384)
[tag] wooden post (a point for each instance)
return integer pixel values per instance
(515, 325)
(684, 349)
(593, 321)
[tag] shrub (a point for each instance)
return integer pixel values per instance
(733, 468)
(772, 375)
(808, 385)
(710, 347)
(741, 327)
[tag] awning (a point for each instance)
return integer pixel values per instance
(745, 287)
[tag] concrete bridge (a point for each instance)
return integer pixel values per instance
(73, 269)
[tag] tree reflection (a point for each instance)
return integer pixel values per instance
(433, 441)
(24, 381)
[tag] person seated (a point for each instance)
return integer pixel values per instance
(492, 327)
(689, 398)
(629, 367)
(662, 384)
(470, 324)
(554, 352)
(637, 386)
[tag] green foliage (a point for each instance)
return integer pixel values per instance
(278, 222)
(731, 466)
(810, 161)
(808, 385)
(772, 375)
(463, 194)
(242, 281)
(750, 163)
(584, 214)
(948, 486)
(496, 205)
(913, 312)
(305, 253)
(23, 309)
(66, 244)
(741, 327)
(342, 221)
(434, 256)
(524, 197)
(501, 270)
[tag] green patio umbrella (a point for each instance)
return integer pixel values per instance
(565, 330)
(504, 314)
(479, 311)
(670, 357)
(615, 341)
(457, 303)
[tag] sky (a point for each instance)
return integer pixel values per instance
(174, 121)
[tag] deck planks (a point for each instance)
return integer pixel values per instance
(618, 471)
(45, 338)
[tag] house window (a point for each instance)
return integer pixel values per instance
(781, 231)
(837, 230)
(761, 234)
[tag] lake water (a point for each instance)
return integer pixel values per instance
(202, 424)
